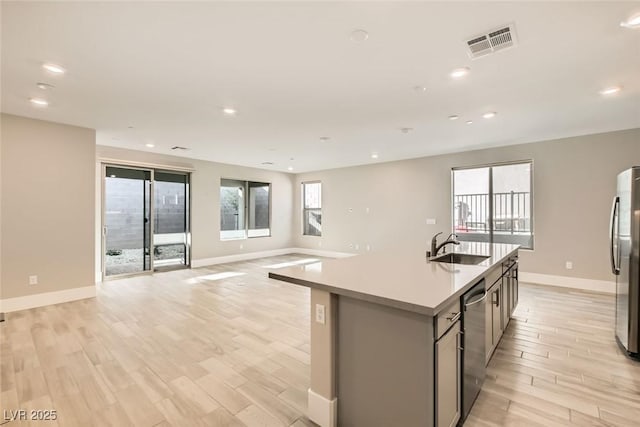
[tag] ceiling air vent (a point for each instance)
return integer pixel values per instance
(177, 147)
(492, 41)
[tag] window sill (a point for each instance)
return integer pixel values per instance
(231, 239)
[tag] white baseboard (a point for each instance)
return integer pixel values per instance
(569, 282)
(8, 305)
(321, 410)
(195, 263)
(319, 252)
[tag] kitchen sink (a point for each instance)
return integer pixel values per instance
(456, 258)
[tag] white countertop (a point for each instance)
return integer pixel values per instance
(405, 280)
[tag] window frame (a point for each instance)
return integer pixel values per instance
(490, 166)
(305, 209)
(245, 227)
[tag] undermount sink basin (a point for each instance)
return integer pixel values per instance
(455, 258)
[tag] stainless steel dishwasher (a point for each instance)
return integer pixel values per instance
(473, 360)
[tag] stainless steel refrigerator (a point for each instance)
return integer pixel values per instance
(625, 259)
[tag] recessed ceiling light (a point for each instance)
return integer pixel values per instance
(610, 90)
(406, 130)
(44, 86)
(39, 102)
(290, 168)
(460, 72)
(469, 122)
(359, 36)
(374, 155)
(229, 111)
(633, 22)
(149, 145)
(489, 115)
(453, 117)
(53, 68)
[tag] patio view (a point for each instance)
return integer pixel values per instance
(493, 204)
(244, 209)
(129, 214)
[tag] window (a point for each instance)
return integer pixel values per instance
(245, 209)
(258, 203)
(312, 208)
(494, 203)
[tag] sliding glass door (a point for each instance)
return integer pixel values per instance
(171, 220)
(145, 220)
(494, 203)
(126, 224)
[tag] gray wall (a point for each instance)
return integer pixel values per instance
(48, 195)
(574, 182)
(125, 211)
(205, 201)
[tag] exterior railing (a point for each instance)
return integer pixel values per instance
(511, 212)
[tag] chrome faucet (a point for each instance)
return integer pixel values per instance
(435, 247)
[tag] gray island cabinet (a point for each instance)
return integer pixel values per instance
(386, 333)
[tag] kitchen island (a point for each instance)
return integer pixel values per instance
(385, 334)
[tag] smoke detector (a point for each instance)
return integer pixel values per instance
(491, 41)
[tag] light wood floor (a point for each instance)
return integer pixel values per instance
(225, 346)
(558, 364)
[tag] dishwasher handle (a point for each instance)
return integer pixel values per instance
(473, 300)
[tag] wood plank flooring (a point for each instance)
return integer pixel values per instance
(226, 346)
(218, 346)
(558, 364)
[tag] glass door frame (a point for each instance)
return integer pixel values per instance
(490, 166)
(187, 220)
(103, 229)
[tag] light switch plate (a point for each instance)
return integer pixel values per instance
(431, 221)
(320, 313)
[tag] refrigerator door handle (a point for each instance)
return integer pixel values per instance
(614, 214)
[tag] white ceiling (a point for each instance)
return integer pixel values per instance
(294, 75)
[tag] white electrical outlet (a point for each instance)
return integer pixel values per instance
(568, 265)
(431, 221)
(368, 248)
(241, 246)
(357, 247)
(319, 244)
(33, 280)
(320, 313)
